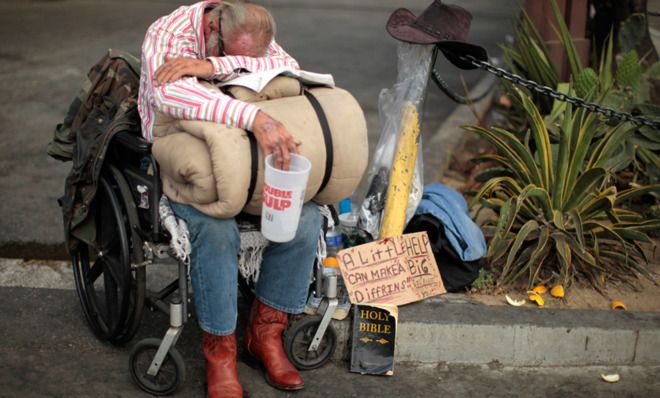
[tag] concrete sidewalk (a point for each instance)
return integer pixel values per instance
(53, 354)
(449, 328)
(46, 350)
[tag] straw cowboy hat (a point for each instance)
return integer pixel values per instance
(447, 26)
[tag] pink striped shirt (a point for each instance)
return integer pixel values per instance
(181, 34)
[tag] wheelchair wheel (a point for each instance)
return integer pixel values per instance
(298, 338)
(103, 277)
(135, 307)
(171, 374)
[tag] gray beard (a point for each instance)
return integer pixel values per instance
(212, 44)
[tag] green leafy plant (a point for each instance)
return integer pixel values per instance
(559, 215)
(485, 281)
(619, 82)
(529, 57)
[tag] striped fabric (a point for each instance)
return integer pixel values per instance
(181, 34)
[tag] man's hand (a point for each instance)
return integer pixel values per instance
(274, 138)
(174, 68)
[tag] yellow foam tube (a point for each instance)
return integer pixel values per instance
(403, 169)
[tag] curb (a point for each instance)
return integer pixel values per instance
(450, 329)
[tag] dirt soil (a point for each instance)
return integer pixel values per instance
(460, 175)
(646, 298)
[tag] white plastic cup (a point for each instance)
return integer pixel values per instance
(283, 198)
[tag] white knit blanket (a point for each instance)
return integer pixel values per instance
(253, 242)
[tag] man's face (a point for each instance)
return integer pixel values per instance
(244, 44)
(247, 44)
(211, 35)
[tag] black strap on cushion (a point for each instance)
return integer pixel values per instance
(327, 137)
(255, 166)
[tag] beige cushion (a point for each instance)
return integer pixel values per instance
(208, 165)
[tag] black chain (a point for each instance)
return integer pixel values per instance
(545, 90)
(456, 97)
(444, 87)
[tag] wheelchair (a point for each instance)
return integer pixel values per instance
(110, 275)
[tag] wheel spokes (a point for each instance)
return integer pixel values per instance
(114, 268)
(303, 345)
(109, 302)
(93, 273)
(108, 246)
(112, 304)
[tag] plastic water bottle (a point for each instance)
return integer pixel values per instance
(348, 228)
(333, 242)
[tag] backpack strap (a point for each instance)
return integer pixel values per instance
(327, 137)
(254, 153)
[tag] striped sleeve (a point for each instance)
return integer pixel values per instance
(189, 100)
(227, 67)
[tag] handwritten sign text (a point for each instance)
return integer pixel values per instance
(396, 270)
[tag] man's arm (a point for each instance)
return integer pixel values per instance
(274, 138)
(187, 99)
(224, 68)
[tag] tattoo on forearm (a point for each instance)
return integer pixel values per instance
(269, 125)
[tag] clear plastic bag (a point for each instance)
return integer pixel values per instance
(413, 67)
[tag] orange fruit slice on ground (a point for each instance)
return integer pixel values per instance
(557, 291)
(540, 289)
(537, 299)
(617, 305)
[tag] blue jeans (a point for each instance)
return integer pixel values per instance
(284, 276)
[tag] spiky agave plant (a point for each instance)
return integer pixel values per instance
(619, 84)
(558, 210)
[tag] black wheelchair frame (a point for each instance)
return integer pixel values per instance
(110, 276)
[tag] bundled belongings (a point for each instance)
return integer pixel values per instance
(457, 242)
(105, 105)
(220, 170)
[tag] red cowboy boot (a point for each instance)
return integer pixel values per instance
(221, 373)
(263, 340)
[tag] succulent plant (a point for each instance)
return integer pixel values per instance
(559, 215)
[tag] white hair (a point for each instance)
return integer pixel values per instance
(240, 17)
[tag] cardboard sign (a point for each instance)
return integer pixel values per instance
(398, 270)
(374, 336)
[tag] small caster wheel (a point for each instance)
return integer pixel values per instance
(171, 374)
(298, 339)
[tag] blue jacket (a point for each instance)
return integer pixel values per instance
(450, 208)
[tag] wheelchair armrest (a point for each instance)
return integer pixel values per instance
(133, 142)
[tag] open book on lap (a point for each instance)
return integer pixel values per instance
(258, 80)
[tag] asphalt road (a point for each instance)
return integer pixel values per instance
(53, 354)
(48, 47)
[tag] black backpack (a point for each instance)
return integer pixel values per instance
(456, 274)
